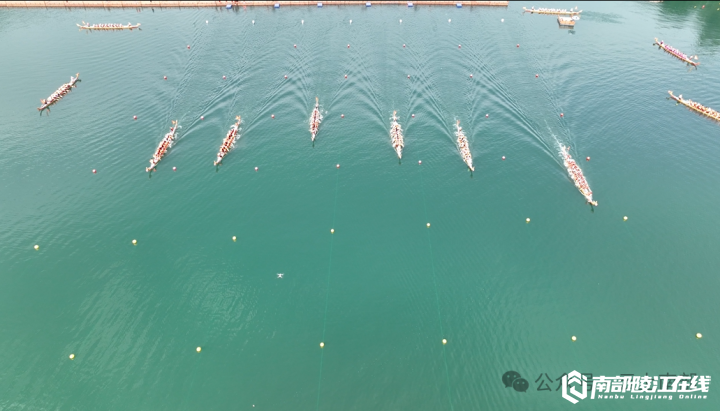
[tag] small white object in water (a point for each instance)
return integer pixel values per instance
(206, 22)
(502, 20)
(400, 21)
(350, 21)
(280, 275)
(449, 20)
(302, 21)
(253, 22)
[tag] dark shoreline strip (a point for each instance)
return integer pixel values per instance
(188, 4)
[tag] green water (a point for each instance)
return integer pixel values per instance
(384, 290)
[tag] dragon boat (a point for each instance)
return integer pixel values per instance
(315, 119)
(576, 175)
(59, 93)
(396, 136)
(165, 144)
(109, 26)
(555, 12)
(674, 52)
(697, 107)
(463, 146)
(229, 141)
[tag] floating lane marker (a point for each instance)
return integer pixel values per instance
(37, 247)
(625, 218)
(71, 356)
(444, 341)
(198, 349)
(698, 336)
(527, 220)
(234, 238)
(134, 242)
(574, 338)
(322, 345)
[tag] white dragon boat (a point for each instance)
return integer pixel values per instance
(396, 136)
(463, 146)
(315, 119)
(576, 175)
(165, 144)
(59, 93)
(229, 141)
(107, 26)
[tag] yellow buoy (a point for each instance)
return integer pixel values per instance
(134, 242)
(234, 238)
(527, 220)
(574, 338)
(698, 336)
(37, 247)
(322, 345)
(444, 341)
(625, 218)
(72, 356)
(428, 224)
(198, 349)
(332, 231)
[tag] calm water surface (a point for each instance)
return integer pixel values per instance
(384, 290)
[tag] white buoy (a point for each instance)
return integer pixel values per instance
(206, 22)
(253, 22)
(198, 349)
(625, 218)
(400, 21)
(428, 225)
(574, 338)
(322, 345)
(527, 220)
(302, 21)
(37, 247)
(449, 20)
(332, 231)
(134, 242)
(350, 21)
(72, 356)
(234, 238)
(698, 336)
(502, 20)
(444, 341)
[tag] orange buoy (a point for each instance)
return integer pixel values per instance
(337, 166)
(286, 76)
(518, 45)
(587, 158)
(295, 45)
(94, 171)
(134, 117)
(562, 115)
(188, 47)
(164, 77)
(403, 46)
(459, 46)
(346, 76)
(413, 116)
(174, 168)
(348, 46)
(224, 77)
(273, 116)
(536, 76)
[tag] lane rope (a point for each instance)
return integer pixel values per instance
(437, 294)
(327, 287)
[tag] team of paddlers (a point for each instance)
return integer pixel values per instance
(59, 93)
(463, 146)
(396, 136)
